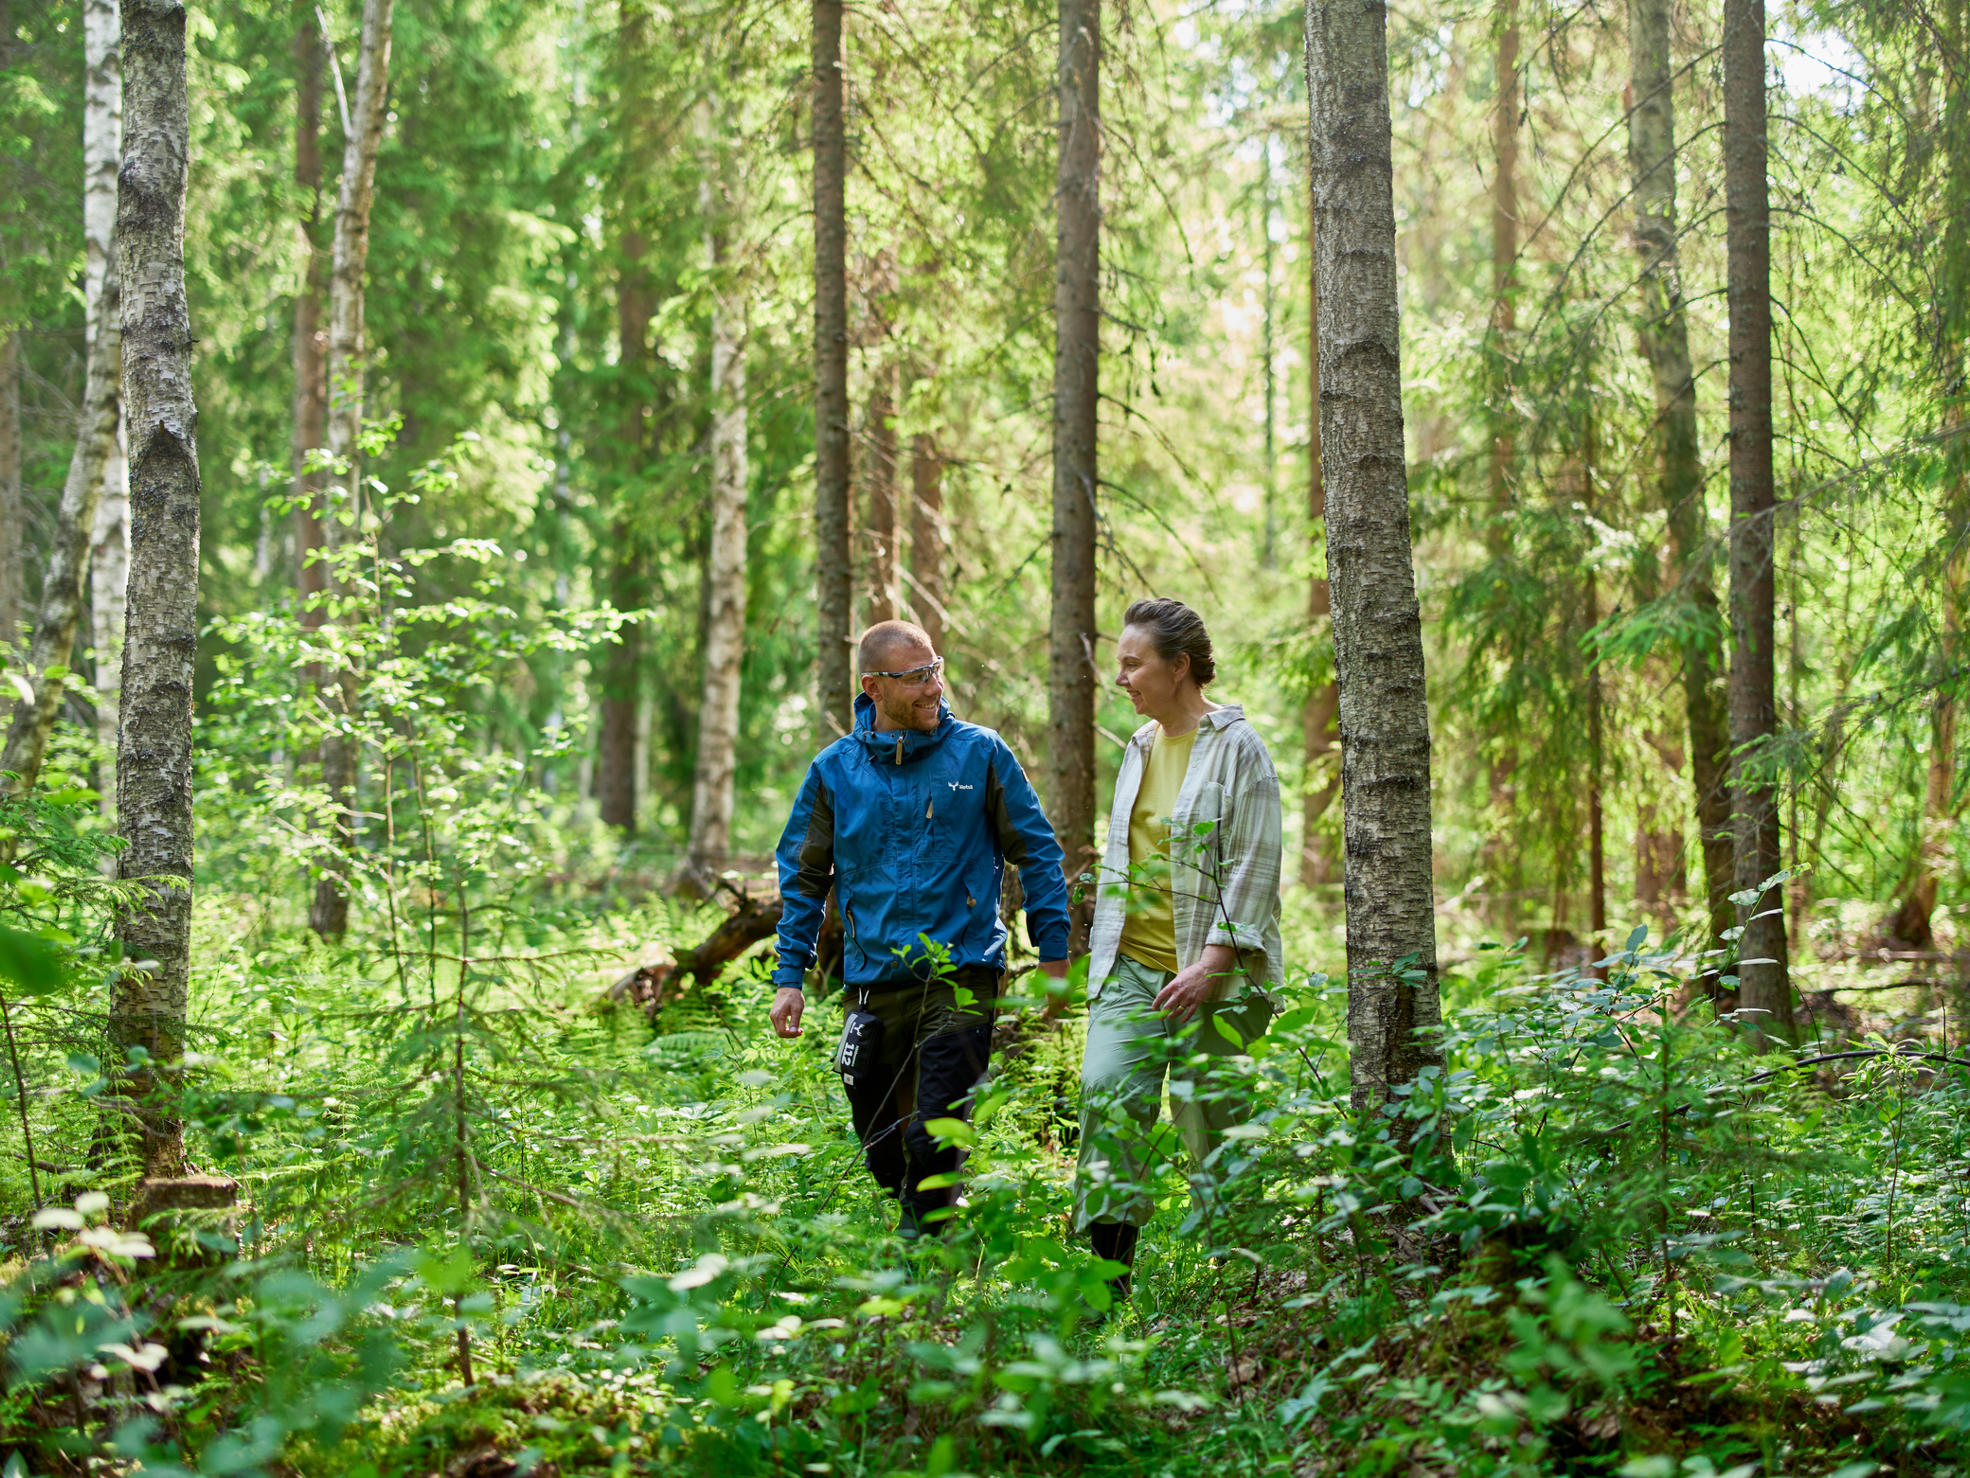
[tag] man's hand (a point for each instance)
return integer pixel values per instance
(1197, 986)
(788, 1006)
(1056, 1002)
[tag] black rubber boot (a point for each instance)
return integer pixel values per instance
(1116, 1241)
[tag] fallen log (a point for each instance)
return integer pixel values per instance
(753, 918)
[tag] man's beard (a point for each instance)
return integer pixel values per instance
(902, 714)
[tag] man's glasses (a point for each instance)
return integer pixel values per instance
(916, 677)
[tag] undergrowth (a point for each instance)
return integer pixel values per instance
(485, 1227)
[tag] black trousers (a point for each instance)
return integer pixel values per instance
(936, 1044)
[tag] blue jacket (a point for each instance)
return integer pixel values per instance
(913, 830)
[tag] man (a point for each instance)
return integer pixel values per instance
(910, 819)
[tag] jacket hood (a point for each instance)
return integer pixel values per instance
(899, 746)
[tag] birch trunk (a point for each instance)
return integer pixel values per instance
(927, 537)
(109, 553)
(310, 347)
(879, 486)
(12, 511)
(63, 573)
(342, 493)
(1393, 1001)
(1071, 674)
(1664, 335)
(725, 576)
(1320, 718)
(154, 799)
(1764, 983)
(833, 578)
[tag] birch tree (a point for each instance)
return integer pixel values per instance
(342, 495)
(310, 346)
(725, 567)
(1393, 1001)
(154, 771)
(109, 551)
(1764, 985)
(833, 577)
(1071, 674)
(1664, 335)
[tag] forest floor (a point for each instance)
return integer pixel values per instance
(1598, 1242)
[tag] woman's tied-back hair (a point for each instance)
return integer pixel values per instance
(1175, 631)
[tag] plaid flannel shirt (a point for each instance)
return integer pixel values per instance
(1224, 891)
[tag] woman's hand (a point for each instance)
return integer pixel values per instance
(1198, 985)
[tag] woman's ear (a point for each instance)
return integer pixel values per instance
(1179, 668)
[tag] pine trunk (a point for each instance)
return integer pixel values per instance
(725, 578)
(1911, 923)
(13, 512)
(618, 776)
(1394, 1008)
(927, 537)
(64, 571)
(1320, 717)
(1664, 334)
(342, 493)
(834, 587)
(310, 348)
(1071, 674)
(154, 799)
(109, 553)
(1764, 984)
(879, 487)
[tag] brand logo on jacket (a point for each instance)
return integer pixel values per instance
(957, 786)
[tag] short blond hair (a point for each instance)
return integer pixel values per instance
(872, 652)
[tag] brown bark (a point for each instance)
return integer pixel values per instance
(1320, 718)
(1764, 983)
(879, 488)
(342, 492)
(1071, 674)
(1499, 856)
(66, 568)
(1504, 253)
(154, 774)
(1394, 1006)
(927, 537)
(616, 773)
(310, 347)
(725, 562)
(833, 577)
(12, 511)
(1911, 923)
(1664, 335)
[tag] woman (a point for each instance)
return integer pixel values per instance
(1185, 945)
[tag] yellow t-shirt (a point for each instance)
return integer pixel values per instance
(1149, 933)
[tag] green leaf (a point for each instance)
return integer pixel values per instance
(33, 966)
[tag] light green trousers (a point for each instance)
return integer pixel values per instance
(1131, 1047)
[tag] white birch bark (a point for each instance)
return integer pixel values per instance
(725, 567)
(342, 494)
(154, 772)
(109, 544)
